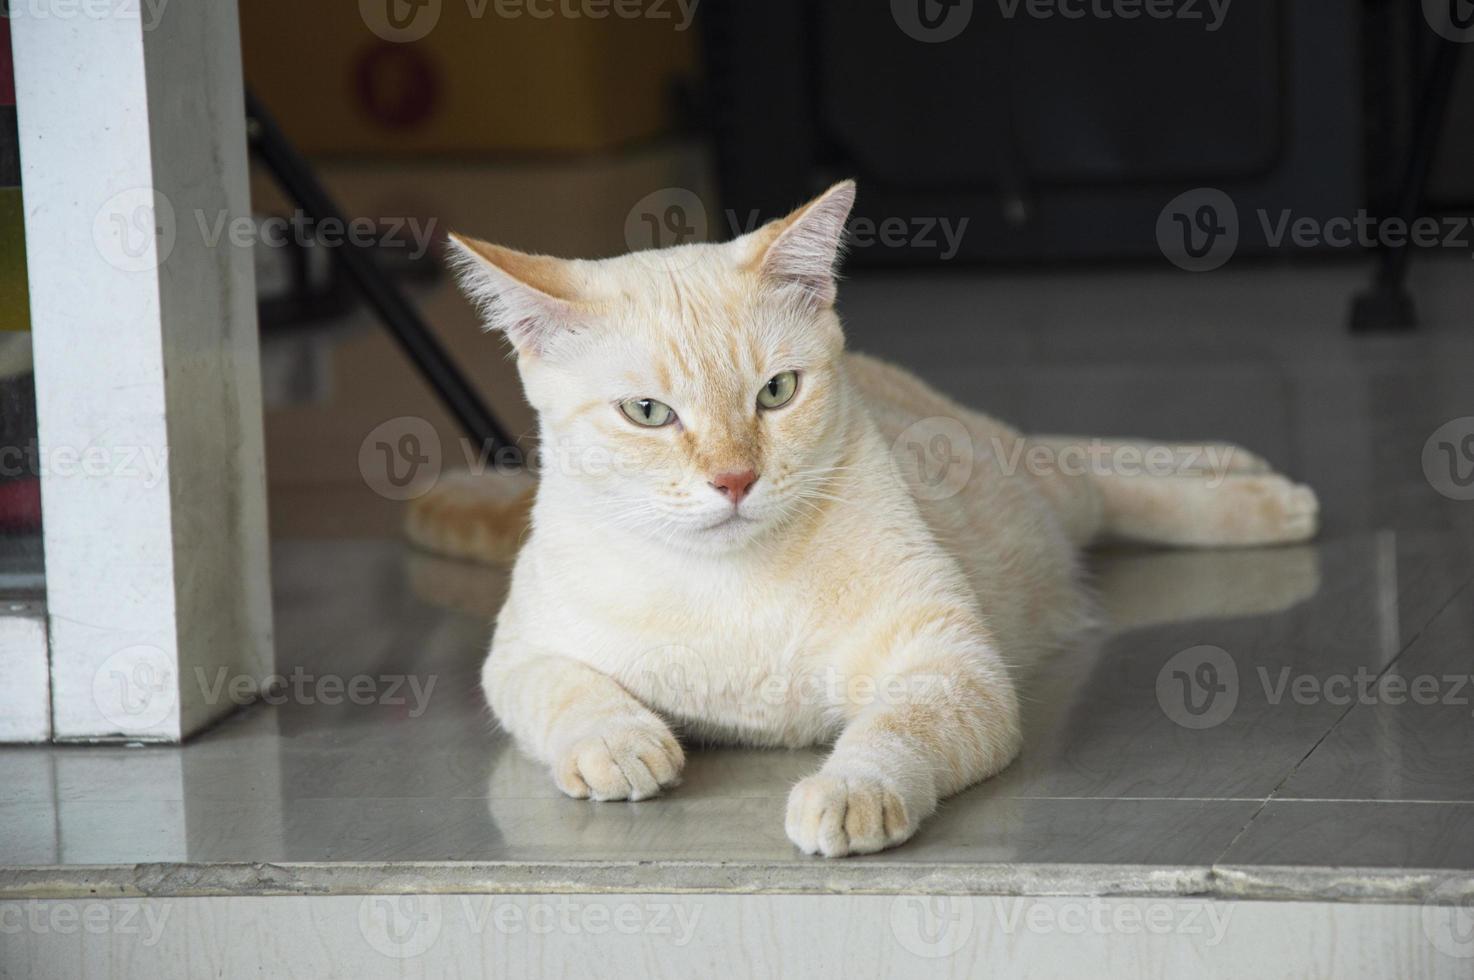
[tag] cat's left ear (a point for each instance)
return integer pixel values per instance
(803, 249)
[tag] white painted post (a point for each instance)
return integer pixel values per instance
(25, 687)
(132, 140)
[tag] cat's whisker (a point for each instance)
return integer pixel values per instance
(820, 495)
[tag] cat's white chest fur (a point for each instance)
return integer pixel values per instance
(725, 657)
(745, 686)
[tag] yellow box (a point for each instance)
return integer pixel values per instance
(468, 76)
(15, 301)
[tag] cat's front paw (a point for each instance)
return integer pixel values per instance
(631, 760)
(838, 815)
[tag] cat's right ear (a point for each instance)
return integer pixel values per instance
(531, 298)
(802, 250)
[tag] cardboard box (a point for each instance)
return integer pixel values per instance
(403, 77)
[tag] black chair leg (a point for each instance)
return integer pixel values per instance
(1387, 305)
(295, 176)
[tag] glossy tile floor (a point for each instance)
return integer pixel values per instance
(1278, 723)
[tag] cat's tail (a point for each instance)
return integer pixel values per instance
(1201, 495)
(481, 517)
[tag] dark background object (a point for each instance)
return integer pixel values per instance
(1054, 138)
(1386, 305)
(394, 310)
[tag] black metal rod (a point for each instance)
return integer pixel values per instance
(295, 176)
(1435, 95)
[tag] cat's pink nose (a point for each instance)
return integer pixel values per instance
(734, 486)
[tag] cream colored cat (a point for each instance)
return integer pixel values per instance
(736, 537)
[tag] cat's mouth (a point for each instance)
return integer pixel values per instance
(733, 519)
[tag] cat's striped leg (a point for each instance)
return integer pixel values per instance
(944, 715)
(600, 741)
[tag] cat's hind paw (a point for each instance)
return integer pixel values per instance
(836, 816)
(1267, 509)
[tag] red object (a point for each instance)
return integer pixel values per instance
(7, 65)
(397, 85)
(20, 504)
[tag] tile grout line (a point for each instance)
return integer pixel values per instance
(1274, 793)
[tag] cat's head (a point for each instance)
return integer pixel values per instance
(692, 394)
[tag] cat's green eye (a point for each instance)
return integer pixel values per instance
(647, 412)
(778, 391)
